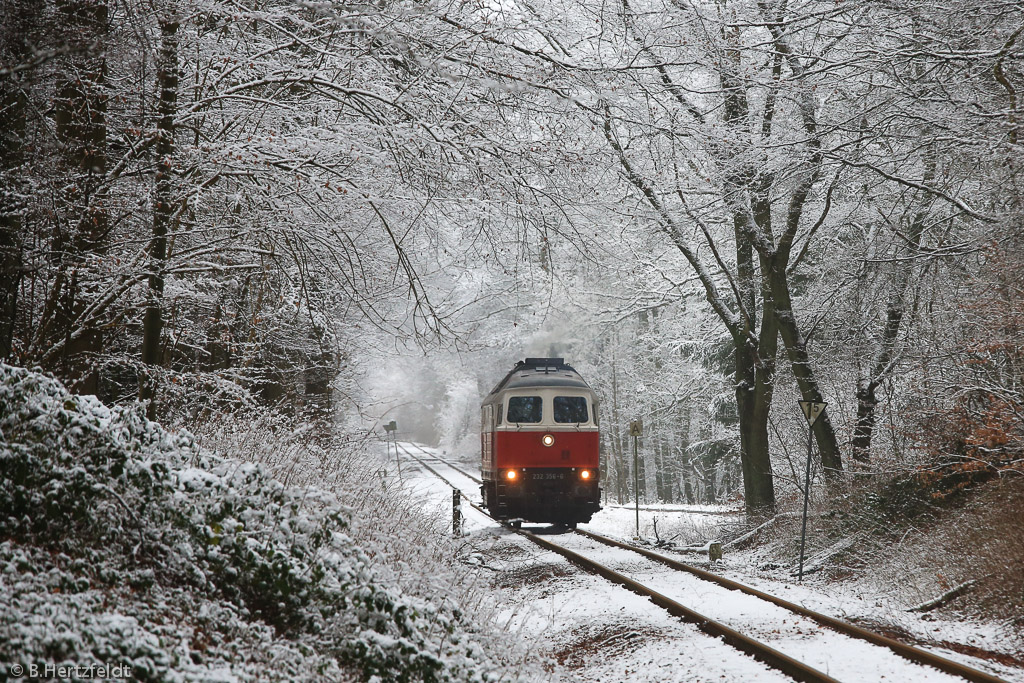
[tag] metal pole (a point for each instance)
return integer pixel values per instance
(456, 512)
(636, 484)
(807, 492)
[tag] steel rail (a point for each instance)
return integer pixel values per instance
(644, 508)
(438, 474)
(448, 481)
(454, 467)
(793, 668)
(914, 654)
(756, 649)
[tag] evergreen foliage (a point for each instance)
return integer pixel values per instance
(123, 542)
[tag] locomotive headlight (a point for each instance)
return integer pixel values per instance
(547, 440)
(511, 475)
(585, 474)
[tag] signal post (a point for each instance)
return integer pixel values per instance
(636, 430)
(812, 411)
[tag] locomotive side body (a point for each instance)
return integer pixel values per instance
(539, 445)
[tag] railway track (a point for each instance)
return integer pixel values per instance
(764, 613)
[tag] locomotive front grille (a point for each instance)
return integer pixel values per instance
(549, 494)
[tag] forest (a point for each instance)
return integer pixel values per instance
(713, 209)
(335, 214)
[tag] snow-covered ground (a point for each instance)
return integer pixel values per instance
(599, 631)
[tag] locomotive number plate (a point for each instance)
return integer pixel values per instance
(549, 475)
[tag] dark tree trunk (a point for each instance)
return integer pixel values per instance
(753, 402)
(688, 490)
(753, 387)
(764, 388)
(163, 203)
(710, 492)
(882, 363)
(880, 368)
(757, 465)
(754, 378)
(618, 450)
(800, 362)
(18, 19)
(866, 403)
(80, 110)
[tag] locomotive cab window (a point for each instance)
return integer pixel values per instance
(570, 409)
(524, 409)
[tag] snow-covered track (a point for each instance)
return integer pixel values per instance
(773, 658)
(914, 654)
(755, 648)
(428, 454)
(692, 509)
(446, 479)
(789, 664)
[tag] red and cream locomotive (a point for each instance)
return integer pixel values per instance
(539, 445)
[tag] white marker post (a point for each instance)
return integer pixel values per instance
(636, 429)
(812, 410)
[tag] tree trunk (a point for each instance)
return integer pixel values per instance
(660, 472)
(163, 206)
(710, 493)
(16, 35)
(753, 402)
(862, 432)
(882, 363)
(796, 348)
(618, 451)
(764, 389)
(688, 490)
(80, 110)
(753, 387)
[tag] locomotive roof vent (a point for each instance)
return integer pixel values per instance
(544, 365)
(541, 372)
(555, 362)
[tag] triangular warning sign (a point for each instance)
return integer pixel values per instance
(812, 410)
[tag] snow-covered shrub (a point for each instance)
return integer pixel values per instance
(410, 544)
(125, 543)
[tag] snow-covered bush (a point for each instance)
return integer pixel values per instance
(410, 543)
(123, 543)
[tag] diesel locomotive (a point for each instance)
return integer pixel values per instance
(539, 446)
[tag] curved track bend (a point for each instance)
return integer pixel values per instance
(717, 594)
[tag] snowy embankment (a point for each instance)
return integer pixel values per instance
(122, 544)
